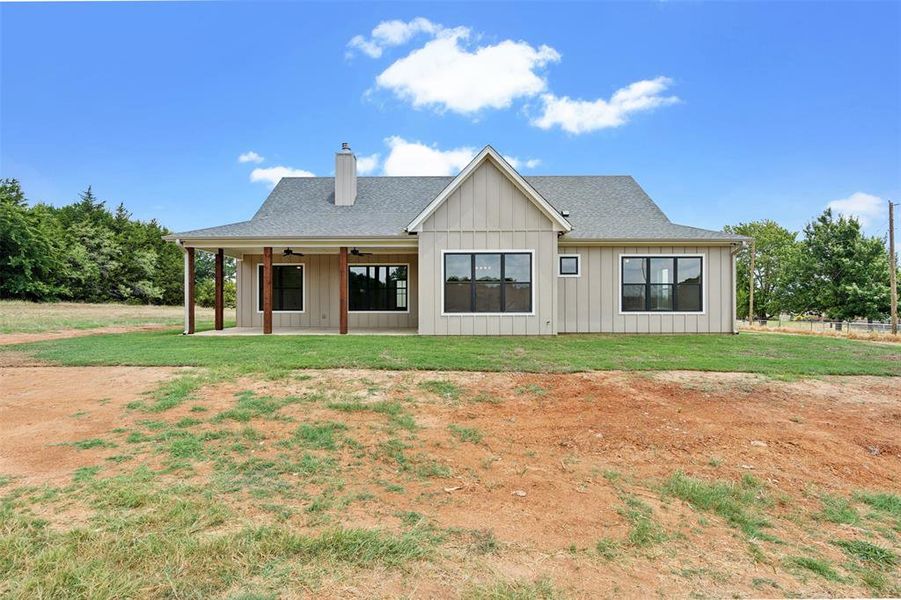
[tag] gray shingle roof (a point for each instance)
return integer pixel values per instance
(600, 207)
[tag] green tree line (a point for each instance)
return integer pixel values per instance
(86, 253)
(833, 270)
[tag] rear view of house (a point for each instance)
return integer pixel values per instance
(488, 252)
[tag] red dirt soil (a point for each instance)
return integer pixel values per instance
(553, 437)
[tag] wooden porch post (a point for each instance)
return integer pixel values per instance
(220, 298)
(189, 289)
(267, 289)
(342, 293)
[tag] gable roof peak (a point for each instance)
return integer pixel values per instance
(489, 153)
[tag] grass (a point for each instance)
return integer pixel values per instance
(838, 510)
(607, 548)
(736, 503)
(318, 435)
(443, 388)
(172, 393)
(770, 354)
(249, 406)
(465, 434)
(541, 589)
(17, 316)
(93, 443)
(125, 554)
(645, 530)
(819, 566)
(869, 553)
(885, 502)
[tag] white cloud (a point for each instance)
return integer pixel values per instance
(415, 158)
(391, 33)
(272, 175)
(250, 157)
(446, 75)
(367, 164)
(519, 164)
(583, 116)
(866, 208)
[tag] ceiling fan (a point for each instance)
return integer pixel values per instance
(289, 252)
(356, 252)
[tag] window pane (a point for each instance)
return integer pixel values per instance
(689, 270)
(287, 287)
(518, 268)
(488, 297)
(457, 297)
(633, 297)
(634, 270)
(488, 267)
(569, 265)
(518, 297)
(377, 287)
(689, 297)
(457, 267)
(397, 274)
(661, 270)
(661, 297)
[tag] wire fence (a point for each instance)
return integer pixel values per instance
(849, 328)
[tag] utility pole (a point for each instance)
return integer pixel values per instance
(892, 263)
(751, 286)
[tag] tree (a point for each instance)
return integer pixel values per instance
(775, 247)
(839, 272)
(11, 193)
(30, 255)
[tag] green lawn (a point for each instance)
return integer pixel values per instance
(770, 354)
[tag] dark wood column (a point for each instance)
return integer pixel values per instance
(267, 289)
(189, 282)
(220, 292)
(342, 292)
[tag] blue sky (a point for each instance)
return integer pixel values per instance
(723, 112)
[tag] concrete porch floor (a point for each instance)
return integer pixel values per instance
(302, 331)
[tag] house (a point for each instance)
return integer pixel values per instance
(488, 252)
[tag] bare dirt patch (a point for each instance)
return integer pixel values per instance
(46, 409)
(525, 472)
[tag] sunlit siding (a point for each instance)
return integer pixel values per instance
(487, 212)
(591, 303)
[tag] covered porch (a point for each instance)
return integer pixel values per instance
(312, 288)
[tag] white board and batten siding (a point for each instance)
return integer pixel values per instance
(590, 303)
(321, 283)
(487, 212)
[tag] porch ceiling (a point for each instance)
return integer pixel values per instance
(237, 252)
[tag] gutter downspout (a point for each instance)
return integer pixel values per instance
(181, 245)
(734, 253)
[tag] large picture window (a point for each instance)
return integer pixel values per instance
(662, 284)
(287, 288)
(488, 282)
(377, 288)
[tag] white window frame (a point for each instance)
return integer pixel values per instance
(578, 258)
(379, 312)
(490, 251)
(256, 288)
(704, 301)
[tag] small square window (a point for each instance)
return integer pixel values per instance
(569, 266)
